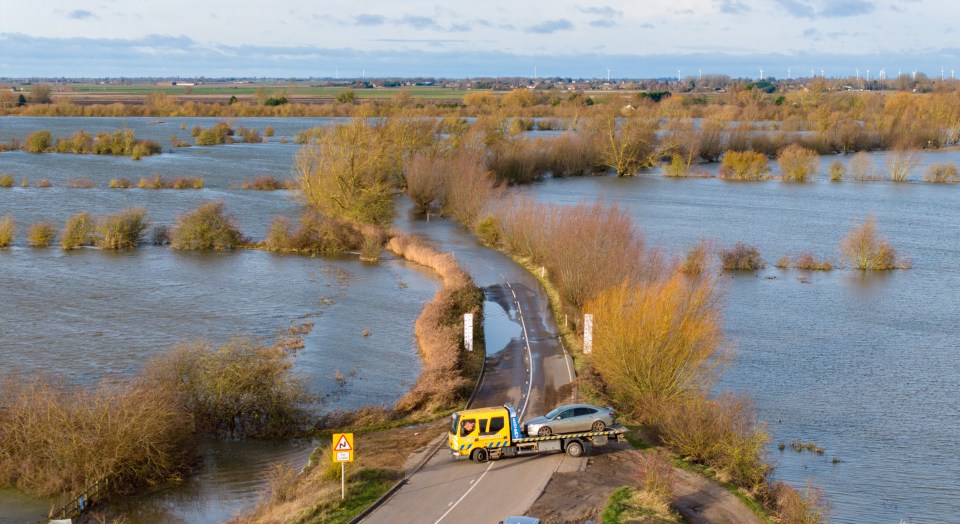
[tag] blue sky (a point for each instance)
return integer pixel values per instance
(581, 38)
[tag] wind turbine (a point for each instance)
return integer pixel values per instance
(761, 74)
(868, 75)
(941, 73)
(608, 74)
(789, 76)
(678, 74)
(858, 74)
(914, 74)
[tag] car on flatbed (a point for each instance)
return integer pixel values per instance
(569, 419)
(492, 433)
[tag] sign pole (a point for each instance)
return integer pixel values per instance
(343, 481)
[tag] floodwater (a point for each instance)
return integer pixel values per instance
(865, 365)
(88, 315)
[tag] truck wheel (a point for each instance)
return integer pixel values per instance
(598, 426)
(574, 449)
(480, 456)
(544, 432)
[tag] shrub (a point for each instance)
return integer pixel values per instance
(240, 389)
(250, 136)
(439, 329)
(122, 230)
(466, 189)
(267, 183)
(373, 239)
(867, 250)
(793, 507)
(315, 234)
(900, 163)
(6, 180)
(741, 257)
(56, 439)
(655, 477)
(656, 343)
(805, 261)
(268, 131)
(160, 236)
(425, 180)
(837, 170)
(695, 261)
(43, 182)
(7, 228)
(206, 227)
(572, 154)
(722, 433)
(159, 182)
(78, 231)
(943, 173)
(41, 234)
(797, 163)
(220, 133)
(743, 165)
(861, 167)
(38, 142)
(488, 231)
(81, 182)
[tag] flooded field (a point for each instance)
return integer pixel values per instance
(865, 365)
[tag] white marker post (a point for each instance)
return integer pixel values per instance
(468, 331)
(587, 334)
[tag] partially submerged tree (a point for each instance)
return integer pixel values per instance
(343, 173)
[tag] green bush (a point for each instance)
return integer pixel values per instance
(7, 228)
(38, 142)
(79, 231)
(6, 180)
(206, 227)
(743, 165)
(41, 234)
(122, 230)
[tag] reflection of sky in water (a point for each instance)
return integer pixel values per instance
(498, 327)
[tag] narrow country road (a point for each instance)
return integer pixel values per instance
(533, 372)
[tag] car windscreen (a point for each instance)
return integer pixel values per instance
(553, 413)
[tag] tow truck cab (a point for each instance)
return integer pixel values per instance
(493, 433)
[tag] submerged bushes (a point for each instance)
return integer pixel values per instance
(79, 231)
(743, 165)
(867, 250)
(315, 234)
(241, 389)
(122, 230)
(742, 257)
(56, 439)
(207, 227)
(7, 228)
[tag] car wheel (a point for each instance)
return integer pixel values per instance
(480, 456)
(574, 449)
(598, 426)
(544, 432)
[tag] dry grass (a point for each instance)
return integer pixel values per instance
(8, 227)
(41, 234)
(867, 250)
(741, 257)
(314, 496)
(442, 383)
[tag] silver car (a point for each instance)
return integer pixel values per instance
(570, 419)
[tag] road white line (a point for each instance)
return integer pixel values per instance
(477, 483)
(526, 340)
(566, 358)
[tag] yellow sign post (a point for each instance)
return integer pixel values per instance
(342, 452)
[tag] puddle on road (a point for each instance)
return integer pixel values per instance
(498, 328)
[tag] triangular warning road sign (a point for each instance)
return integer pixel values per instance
(342, 444)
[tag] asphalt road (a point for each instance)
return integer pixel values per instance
(534, 373)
